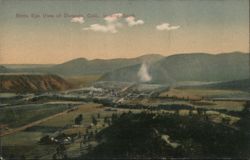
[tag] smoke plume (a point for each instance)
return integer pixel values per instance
(143, 73)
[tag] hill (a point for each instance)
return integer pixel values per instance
(82, 66)
(25, 68)
(187, 67)
(31, 83)
(4, 69)
(234, 85)
(160, 135)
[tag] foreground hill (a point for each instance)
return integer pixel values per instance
(188, 67)
(27, 83)
(159, 135)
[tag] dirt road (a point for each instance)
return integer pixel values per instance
(12, 131)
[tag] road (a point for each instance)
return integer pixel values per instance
(12, 131)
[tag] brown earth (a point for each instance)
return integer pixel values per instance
(32, 83)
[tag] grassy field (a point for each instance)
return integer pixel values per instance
(26, 142)
(206, 104)
(82, 81)
(197, 98)
(196, 94)
(228, 105)
(15, 116)
(7, 95)
(86, 109)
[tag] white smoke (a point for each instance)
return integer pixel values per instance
(143, 73)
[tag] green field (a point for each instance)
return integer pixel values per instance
(26, 142)
(203, 98)
(16, 116)
(196, 93)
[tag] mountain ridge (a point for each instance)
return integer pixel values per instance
(197, 66)
(189, 67)
(99, 66)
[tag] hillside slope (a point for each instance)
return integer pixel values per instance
(234, 85)
(4, 69)
(188, 67)
(82, 66)
(31, 83)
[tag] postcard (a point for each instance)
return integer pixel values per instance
(124, 79)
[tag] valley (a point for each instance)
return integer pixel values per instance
(49, 116)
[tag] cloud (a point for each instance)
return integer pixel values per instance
(166, 26)
(113, 18)
(132, 22)
(78, 20)
(102, 28)
(111, 25)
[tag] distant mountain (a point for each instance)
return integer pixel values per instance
(31, 83)
(126, 74)
(188, 67)
(27, 66)
(4, 69)
(82, 66)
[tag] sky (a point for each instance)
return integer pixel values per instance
(55, 31)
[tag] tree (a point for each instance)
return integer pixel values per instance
(244, 123)
(79, 119)
(94, 121)
(177, 112)
(226, 120)
(106, 119)
(90, 147)
(45, 140)
(109, 122)
(190, 112)
(79, 134)
(23, 157)
(200, 111)
(114, 117)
